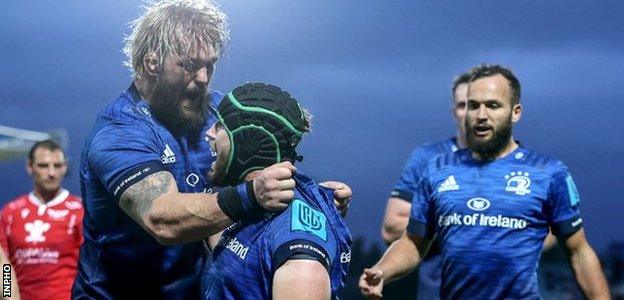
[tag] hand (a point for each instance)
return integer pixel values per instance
(371, 283)
(274, 187)
(342, 195)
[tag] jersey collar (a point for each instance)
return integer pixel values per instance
(58, 199)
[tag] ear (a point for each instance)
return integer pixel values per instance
(29, 168)
(516, 113)
(151, 64)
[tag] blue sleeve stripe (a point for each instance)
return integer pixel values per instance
(568, 227)
(133, 175)
(402, 194)
(294, 248)
(420, 229)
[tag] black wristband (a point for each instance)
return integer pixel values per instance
(239, 201)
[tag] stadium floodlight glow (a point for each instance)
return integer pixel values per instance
(15, 143)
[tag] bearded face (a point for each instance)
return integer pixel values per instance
(183, 110)
(488, 140)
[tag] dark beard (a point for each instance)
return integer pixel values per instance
(217, 177)
(166, 107)
(490, 149)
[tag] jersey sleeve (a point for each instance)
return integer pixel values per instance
(302, 232)
(123, 154)
(412, 171)
(422, 221)
(564, 213)
(5, 230)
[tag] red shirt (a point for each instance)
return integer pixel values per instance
(42, 241)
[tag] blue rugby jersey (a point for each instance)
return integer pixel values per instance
(119, 259)
(430, 266)
(251, 250)
(491, 219)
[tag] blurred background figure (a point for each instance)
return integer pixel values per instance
(399, 203)
(41, 231)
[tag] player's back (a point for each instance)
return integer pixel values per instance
(250, 251)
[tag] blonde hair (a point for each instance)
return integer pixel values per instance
(176, 28)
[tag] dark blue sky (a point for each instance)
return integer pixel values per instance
(375, 74)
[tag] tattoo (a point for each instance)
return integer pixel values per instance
(137, 200)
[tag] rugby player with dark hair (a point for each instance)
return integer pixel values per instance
(41, 231)
(492, 218)
(299, 253)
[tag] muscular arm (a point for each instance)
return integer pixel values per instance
(301, 279)
(169, 216)
(395, 219)
(586, 266)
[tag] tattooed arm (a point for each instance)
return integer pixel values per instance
(172, 217)
(169, 216)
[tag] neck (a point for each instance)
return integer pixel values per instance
(508, 148)
(145, 88)
(44, 195)
(461, 140)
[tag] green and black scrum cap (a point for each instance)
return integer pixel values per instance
(264, 124)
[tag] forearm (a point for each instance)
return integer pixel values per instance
(400, 259)
(181, 218)
(171, 217)
(589, 274)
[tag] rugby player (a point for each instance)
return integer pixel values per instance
(143, 167)
(399, 203)
(491, 220)
(300, 253)
(41, 231)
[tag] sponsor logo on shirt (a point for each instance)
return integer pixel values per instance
(481, 219)
(345, 257)
(36, 230)
(478, 204)
(168, 156)
(305, 218)
(518, 183)
(577, 222)
(237, 247)
(33, 256)
(448, 185)
(192, 179)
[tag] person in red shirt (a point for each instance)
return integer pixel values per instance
(41, 231)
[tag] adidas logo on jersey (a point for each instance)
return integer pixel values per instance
(448, 185)
(168, 156)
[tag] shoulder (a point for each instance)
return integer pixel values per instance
(445, 161)
(128, 107)
(216, 97)
(15, 204)
(73, 202)
(430, 150)
(540, 161)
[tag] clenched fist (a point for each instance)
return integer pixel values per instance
(274, 187)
